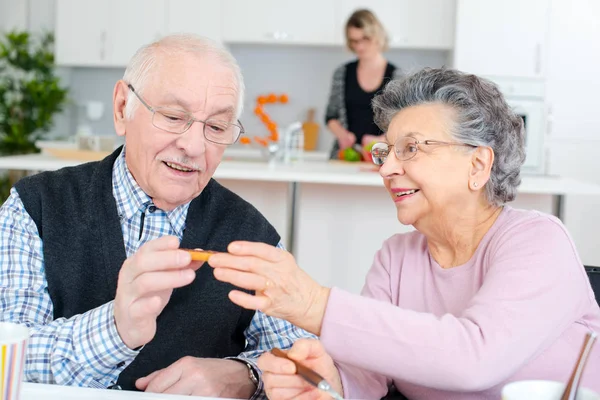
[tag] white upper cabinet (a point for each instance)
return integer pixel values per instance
(105, 33)
(502, 38)
(132, 24)
(277, 21)
(80, 39)
(202, 17)
(423, 24)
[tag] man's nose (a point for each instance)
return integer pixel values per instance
(193, 140)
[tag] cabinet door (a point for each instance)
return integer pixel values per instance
(276, 21)
(132, 24)
(202, 17)
(81, 32)
(501, 38)
(424, 24)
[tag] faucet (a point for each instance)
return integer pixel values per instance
(289, 146)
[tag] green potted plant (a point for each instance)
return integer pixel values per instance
(30, 94)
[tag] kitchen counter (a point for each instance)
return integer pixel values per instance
(324, 172)
(332, 216)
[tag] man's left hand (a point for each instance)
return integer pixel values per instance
(210, 377)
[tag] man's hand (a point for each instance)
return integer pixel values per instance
(209, 377)
(146, 281)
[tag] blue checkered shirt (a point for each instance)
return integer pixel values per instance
(86, 350)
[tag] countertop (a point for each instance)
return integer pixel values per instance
(319, 172)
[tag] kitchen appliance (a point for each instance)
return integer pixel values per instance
(526, 97)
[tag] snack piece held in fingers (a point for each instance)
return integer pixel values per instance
(199, 254)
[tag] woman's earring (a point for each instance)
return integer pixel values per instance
(475, 184)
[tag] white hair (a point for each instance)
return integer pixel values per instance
(145, 60)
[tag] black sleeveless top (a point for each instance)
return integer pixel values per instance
(358, 102)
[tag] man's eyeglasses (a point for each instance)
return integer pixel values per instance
(405, 148)
(179, 121)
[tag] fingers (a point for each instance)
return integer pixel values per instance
(306, 348)
(163, 243)
(165, 379)
(268, 362)
(288, 387)
(142, 383)
(249, 257)
(248, 301)
(148, 261)
(261, 250)
(152, 282)
(241, 279)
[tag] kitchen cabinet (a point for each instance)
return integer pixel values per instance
(202, 17)
(276, 21)
(423, 24)
(107, 33)
(132, 24)
(80, 39)
(502, 38)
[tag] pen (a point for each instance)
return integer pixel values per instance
(309, 375)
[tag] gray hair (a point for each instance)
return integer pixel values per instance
(145, 61)
(483, 119)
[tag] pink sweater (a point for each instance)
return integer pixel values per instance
(519, 309)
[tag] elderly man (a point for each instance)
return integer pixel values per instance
(91, 256)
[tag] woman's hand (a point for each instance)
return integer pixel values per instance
(346, 139)
(280, 379)
(282, 289)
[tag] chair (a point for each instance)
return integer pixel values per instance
(594, 275)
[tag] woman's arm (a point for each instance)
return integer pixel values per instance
(534, 289)
(335, 105)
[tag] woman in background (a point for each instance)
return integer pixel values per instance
(479, 295)
(349, 114)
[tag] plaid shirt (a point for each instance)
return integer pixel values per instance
(86, 349)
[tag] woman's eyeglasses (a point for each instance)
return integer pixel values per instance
(405, 148)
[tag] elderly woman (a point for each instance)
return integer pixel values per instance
(479, 295)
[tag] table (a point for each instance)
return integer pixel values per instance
(38, 391)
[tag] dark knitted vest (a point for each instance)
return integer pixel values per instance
(76, 216)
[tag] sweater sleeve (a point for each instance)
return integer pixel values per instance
(336, 95)
(534, 289)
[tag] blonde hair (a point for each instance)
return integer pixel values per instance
(145, 61)
(367, 21)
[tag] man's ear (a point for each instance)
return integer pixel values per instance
(120, 94)
(482, 160)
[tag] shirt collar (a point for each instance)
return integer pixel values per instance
(131, 199)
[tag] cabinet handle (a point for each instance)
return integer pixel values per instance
(102, 45)
(278, 35)
(396, 39)
(538, 59)
(549, 120)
